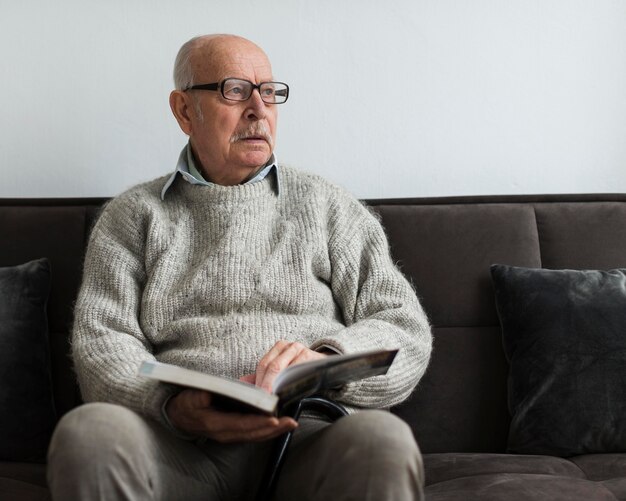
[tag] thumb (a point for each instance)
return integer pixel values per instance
(200, 398)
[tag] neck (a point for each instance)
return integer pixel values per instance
(228, 178)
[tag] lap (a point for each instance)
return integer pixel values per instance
(352, 458)
(321, 454)
(173, 468)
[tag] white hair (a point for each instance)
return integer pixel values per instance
(183, 71)
(183, 68)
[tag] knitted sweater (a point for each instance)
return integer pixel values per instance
(212, 276)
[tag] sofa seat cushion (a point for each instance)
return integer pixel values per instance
(608, 469)
(22, 491)
(461, 476)
(23, 481)
(520, 487)
(601, 466)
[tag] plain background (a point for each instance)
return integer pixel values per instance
(392, 98)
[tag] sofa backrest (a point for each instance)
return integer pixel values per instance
(444, 246)
(57, 229)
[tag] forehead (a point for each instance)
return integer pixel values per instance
(232, 59)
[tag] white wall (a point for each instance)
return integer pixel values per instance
(390, 99)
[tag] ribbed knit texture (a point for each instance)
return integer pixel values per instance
(212, 276)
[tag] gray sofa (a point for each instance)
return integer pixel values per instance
(459, 412)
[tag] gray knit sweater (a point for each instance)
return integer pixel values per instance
(212, 276)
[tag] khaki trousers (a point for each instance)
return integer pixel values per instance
(107, 452)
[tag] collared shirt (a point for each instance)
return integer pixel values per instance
(186, 167)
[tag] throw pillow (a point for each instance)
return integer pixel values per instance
(27, 415)
(564, 334)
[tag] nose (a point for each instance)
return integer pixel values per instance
(256, 107)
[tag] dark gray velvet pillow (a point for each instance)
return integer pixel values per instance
(564, 334)
(27, 414)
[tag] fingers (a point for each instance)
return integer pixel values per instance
(249, 428)
(190, 411)
(282, 355)
(274, 361)
(248, 378)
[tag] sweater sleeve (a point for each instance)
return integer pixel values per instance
(108, 344)
(379, 307)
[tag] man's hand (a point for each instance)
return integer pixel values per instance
(190, 411)
(281, 355)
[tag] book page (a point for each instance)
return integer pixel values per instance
(302, 380)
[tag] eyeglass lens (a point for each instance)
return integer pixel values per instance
(240, 90)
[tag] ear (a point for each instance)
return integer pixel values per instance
(181, 106)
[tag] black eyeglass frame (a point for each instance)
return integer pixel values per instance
(220, 86)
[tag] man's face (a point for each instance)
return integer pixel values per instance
(231, 139)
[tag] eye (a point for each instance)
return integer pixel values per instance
(236, 89)
(268, 90)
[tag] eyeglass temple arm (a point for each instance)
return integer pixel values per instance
(211, 86)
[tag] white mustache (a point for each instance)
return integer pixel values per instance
(256, 130)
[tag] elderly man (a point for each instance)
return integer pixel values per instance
(237, 266)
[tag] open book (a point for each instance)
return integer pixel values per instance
(292, 384)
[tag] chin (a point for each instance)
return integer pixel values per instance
(255, 161)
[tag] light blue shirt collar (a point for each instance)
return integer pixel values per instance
(187, 169)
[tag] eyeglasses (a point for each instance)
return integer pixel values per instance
(235, 89)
